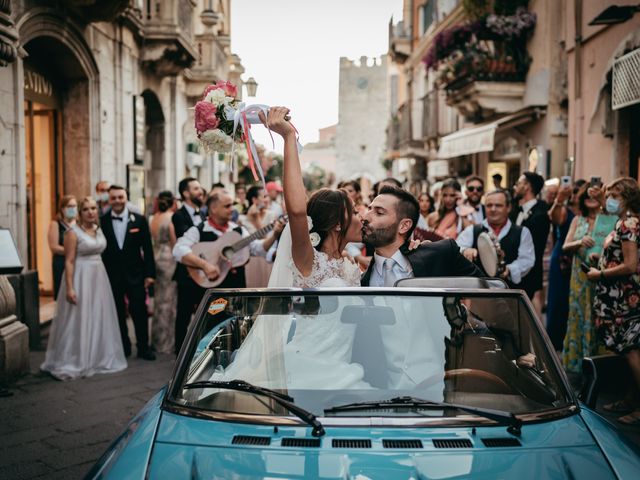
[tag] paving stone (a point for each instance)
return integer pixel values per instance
(23, 471)
(56, 430)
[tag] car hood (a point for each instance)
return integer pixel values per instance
(194, 448)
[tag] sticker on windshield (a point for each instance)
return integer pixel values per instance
(218, 305)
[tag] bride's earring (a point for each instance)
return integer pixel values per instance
(337, 229)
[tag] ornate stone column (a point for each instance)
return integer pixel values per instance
(8, 35)
(14, 336)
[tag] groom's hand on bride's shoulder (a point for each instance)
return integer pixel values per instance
(413, 243)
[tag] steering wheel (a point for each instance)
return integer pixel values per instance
(473, 376)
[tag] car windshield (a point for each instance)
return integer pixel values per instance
(329, 349)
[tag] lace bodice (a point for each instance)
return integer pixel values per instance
(328, 272)
(88, 245)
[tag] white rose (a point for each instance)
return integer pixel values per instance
(216, 141)
(217, 97)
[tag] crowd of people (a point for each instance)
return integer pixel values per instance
(571, 246)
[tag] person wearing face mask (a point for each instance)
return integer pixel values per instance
(102, 196)
(84, 337)
(65, 219)
(616, 305)
(586, 235)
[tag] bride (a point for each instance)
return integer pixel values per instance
(305, 351)
(310, 255)
(310, 250)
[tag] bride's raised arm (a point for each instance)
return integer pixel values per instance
(294, 192)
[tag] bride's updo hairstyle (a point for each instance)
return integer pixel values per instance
(327, 209)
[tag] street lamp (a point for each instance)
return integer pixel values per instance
(252, 87)
(615, 14)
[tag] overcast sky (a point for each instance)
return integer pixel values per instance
(293, 48)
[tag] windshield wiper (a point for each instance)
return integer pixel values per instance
(280, 398)
(500, 416)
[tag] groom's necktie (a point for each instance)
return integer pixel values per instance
(389, 276)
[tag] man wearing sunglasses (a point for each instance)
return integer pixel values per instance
(472, 208)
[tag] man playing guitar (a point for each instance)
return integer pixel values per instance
(218, 222)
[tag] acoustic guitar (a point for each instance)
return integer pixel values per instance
(229, 251)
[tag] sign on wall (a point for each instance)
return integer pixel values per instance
(139, 128)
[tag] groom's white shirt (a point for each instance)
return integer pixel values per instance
(401, 269)
(414, 345)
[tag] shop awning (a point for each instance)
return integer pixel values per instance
(480, 138)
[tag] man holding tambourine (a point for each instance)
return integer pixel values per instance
(499, 247)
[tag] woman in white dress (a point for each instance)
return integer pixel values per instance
(84, 338)
(310, 255)
(316, 246)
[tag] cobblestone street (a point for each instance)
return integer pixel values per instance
(57, 430)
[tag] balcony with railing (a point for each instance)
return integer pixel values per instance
(168, 35)
(99, 10)
(482, 65)
(399, 42)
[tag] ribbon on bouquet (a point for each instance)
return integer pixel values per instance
(249, 115)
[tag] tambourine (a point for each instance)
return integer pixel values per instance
(490, 255)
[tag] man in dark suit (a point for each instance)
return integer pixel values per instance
(130, 266)
(533, 214)
(191, 214)
(387, 226)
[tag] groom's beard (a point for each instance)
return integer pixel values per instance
(380, 237)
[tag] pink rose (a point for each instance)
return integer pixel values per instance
(633, 300)
(206, 118)
(229, 88)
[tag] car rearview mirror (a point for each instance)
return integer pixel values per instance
(360, 314)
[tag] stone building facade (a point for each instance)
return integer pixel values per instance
(362, 118)
(604, 108)
(100, 90)
(555, 113)
(496, 113)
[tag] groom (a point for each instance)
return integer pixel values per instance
(387, 226)
(415, 354)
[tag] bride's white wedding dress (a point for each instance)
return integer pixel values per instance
(304, 351)
(319, 352)
(85, 338)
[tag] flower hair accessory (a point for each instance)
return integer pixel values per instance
(313, 236)
(315, 239)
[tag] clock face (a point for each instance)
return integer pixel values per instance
(362, 83)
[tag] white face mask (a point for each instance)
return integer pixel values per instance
(103, 197)
(70, 213)
(612, 205)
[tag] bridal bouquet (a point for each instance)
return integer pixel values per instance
(222, 121)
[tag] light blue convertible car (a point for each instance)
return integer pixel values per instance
(365, 383)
